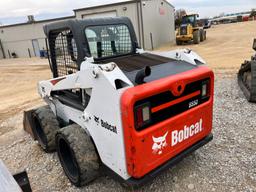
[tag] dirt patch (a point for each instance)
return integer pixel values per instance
(18, 84)
(226, 47)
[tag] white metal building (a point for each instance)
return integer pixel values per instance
(153, 21)
(24, 39)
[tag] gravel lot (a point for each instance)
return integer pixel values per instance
(228, 163)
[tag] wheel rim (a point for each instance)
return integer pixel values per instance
(39, 133)
(68, 160)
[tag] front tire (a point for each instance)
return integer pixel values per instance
(45, 128)
(178, 42)
(77, 155)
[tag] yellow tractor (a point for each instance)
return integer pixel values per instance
(190, 30)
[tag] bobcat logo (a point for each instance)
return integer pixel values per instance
(159, 144)
(96, 119)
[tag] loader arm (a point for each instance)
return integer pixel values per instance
(80, 79)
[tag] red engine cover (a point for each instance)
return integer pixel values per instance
(151, 147)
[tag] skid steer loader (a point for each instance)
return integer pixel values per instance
(247, 77)
(114, 108)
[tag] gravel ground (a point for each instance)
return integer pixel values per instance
(228, 163)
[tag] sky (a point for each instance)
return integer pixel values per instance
(16, 11)
(211, 8)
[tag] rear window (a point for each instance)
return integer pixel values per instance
(109, 40)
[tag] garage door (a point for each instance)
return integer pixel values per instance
(99, 15)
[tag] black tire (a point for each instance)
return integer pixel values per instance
(178, 42)
(201, 35)
(196, 37)
(46, 127)
(77, 155)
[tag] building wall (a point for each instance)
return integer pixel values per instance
(126, 10)
(158, 20)
(18, 39)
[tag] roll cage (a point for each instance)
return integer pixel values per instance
(68, 45)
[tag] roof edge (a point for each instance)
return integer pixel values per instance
(106, 5)
(169, 3)
(39, 21)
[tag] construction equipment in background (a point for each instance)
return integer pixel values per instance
(207, 24)
(247, 77)
(189, 30)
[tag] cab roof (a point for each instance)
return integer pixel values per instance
(76, 25)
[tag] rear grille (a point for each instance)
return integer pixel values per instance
(176, 108)
(183, 30)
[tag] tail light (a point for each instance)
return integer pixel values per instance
(205, 92)
(142, 115)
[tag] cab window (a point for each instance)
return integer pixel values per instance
(109, 40)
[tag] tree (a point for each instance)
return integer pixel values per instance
(180, 13)
(253, 13)
(178, 16)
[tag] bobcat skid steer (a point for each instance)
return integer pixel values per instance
(114, 108)
(247, 77)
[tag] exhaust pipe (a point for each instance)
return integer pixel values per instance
(140, 76)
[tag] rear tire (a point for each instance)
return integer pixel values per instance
(77, 155)
(196, 37)
(202, 35)
(46, 127)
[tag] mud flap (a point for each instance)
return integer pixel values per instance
(247, 80)
(28, 122)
